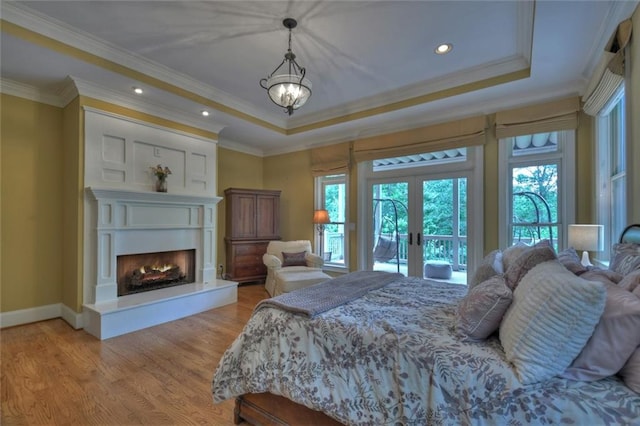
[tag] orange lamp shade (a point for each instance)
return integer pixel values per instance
(321, 216)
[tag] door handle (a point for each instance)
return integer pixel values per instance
(418, 238)
(410, 238)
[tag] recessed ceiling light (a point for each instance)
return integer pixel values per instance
(137, 90)
(444, 48)
(205, 113)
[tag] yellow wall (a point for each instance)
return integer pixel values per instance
(585, 186)
(490, 190)
(32, 232)
(291, 174)
(235, 170)
(72, 206)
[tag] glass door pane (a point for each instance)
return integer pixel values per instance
(390, 219)
(444, 229)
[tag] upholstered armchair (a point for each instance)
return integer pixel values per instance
(289, 256)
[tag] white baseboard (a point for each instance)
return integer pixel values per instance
(26, 316)
(73, 318)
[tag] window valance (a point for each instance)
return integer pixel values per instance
(438, 137)
(331, 159)
(548, 117)
(609, 73)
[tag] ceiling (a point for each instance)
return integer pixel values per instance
(372, 63)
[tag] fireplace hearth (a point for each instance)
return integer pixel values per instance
(152, 271)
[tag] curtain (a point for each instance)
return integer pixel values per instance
(331, 159)
(548, 117)
(609, 73)
(438, 137)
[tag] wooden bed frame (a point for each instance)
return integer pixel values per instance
(269, 409)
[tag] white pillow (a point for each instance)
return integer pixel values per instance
(552, 316)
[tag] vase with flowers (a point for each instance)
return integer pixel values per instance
(161, 174)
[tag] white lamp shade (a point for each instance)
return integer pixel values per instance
(586, 237)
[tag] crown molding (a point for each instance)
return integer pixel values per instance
(147, 124)
(92, 90)
(483, 107)
(451, 81)
(26, 91)
(239, 147)
(36, 22)
(526, 13)
(521, 60)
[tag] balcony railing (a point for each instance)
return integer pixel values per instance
(435, 247)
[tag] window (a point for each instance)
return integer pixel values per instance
(332, 241)
(611, 170)
(536, 173)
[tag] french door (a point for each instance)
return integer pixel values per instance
(415, 220)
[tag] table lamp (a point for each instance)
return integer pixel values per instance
(587, 238)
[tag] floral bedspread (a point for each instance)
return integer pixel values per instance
(393, 357)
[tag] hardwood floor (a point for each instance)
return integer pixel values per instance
(53, 374)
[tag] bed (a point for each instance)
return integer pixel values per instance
(379, 348)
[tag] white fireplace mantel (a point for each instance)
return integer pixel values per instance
(149, 197)
(133, 222)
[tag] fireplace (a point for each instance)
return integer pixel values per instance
(137, 273)
(171, 237)
(123, 215)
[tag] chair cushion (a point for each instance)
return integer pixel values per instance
(293, 279)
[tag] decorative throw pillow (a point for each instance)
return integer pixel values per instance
(630, 281)
(294, 259)
(604, 276)
(512, 253)
(552, 316)
(614, 339)
(525, 262)
(630, 373)
(491, 265)
(481, 310)
(626, 258)
(570, 259)
(543, 243)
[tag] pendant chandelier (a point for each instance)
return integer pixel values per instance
(289, 89)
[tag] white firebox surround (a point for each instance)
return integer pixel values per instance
(124, 215)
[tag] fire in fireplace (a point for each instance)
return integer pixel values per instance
(152, 271)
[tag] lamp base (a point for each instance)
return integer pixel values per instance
(585, 259)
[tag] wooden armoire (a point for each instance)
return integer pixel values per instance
(252, 220)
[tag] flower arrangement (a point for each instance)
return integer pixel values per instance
(160, 172)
